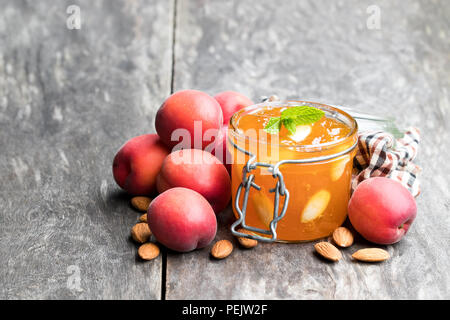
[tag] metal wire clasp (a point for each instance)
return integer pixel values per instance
(248, 183)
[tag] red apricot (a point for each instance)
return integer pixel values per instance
(182, 220)
(137, 164)
(191, 116)
(231, 102)
(382, 210)
(220, 149)
(197, 170)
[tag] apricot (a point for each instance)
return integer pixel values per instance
(197, 170)
(382, 210)
(182, 220)
(231, 102)
(137, 164)
(220, 150)
(191, 116)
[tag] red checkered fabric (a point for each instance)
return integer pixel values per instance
(379, 154)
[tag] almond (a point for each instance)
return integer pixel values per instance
(246, 242)
(263, 207)
(343, 237)
(222, 249)
(148, 251)
(141, 203)
(301, 132)
(328, 251)
(371, 255)
(143, 218)
(338, 167)
(141, 232)
(316, 206)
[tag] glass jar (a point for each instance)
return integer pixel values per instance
(288, 192)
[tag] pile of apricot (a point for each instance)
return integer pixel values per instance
(185, 162)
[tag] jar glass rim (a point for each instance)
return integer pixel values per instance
(329, 110)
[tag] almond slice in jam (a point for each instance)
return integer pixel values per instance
(301, 133)
(263, 207)
(338, 168)
(316, 206)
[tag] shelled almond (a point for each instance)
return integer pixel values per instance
(141, 203)
(316, 206)
(371, 255)
(143, 218)
(328, 251)
(148, 251)
(246, 242)
(141, 232)
(222, 249)
(343, 237)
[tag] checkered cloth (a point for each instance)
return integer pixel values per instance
(380, 155)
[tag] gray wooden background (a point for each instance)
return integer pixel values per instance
(70, 98)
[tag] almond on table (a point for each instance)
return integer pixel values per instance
(141, 203)
(371, 255)
(148, 251)
(141, 232)
(328, 251)
(246, 242)
(143, 218)
(343, 237)
(222, 249)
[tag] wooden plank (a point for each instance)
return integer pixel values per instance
(323, 51)
(68, 100)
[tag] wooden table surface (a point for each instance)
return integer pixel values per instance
(69, 98)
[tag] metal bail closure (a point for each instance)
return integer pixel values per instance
(248, 183)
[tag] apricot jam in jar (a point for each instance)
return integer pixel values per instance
(290, 187)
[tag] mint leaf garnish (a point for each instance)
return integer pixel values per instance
(290, 125)
(293, 117)
(302, 114)
(273, 126)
